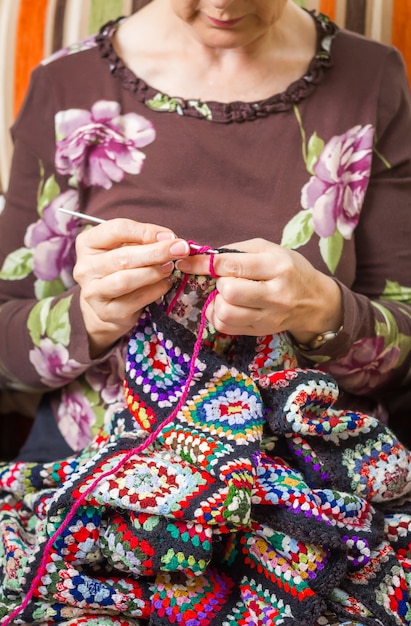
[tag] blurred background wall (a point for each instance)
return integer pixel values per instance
(388, 21)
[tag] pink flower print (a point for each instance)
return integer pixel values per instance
(52, 362)
(336, 192)
(75, 417)
(107, 378)
(99, 147)
(366, 366)
(52, 240)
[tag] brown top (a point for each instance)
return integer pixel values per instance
(324, 167)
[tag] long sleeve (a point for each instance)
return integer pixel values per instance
(43, 341)
(372, 356)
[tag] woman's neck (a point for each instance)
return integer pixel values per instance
(167, 56)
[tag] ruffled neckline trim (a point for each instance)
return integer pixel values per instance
(217, 111)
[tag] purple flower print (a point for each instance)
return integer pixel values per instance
(366, 366)
(99, 147)
(107, 378)
(336, 192)
(52, 240)
(75, 417)
(52, 362)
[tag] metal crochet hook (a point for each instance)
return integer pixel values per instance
(98, 220)
(89, 218)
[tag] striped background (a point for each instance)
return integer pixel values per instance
(385, 20)
(32, 29)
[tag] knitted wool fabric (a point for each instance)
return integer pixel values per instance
(260, 503)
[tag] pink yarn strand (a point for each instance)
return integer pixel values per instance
(150, 439)
(178, 293)
(211, 267)
(193, 251)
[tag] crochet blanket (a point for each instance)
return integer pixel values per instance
(259, 503)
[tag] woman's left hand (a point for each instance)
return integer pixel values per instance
(265, 289)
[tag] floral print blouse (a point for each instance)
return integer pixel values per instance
(323, 168)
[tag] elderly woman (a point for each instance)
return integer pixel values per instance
(241, 471)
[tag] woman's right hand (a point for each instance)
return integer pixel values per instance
(122, 265)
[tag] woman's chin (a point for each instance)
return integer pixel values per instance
(224, 38)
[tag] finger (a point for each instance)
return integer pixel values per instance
(233, 320)
(147, 255)
(122, 231)
(230, 314)
(129, 257)
(126, 307)
(251, 266)
(198, 264)
(119, 284)
(244, 293)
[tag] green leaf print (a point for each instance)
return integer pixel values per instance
(379, 154)
(46, 194)
(331, 249)
(48, 288)
(314, 148)
(161, 102)
(298, 231)
(37, 319)
(396, 293)
(58, 324)
(202, 108)
(91, 394)
(52, 322)
(17, 265)
(387, 328)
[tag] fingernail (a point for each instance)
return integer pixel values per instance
(164, 235)
(183, 266)
(179, 248)
(168, 267)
